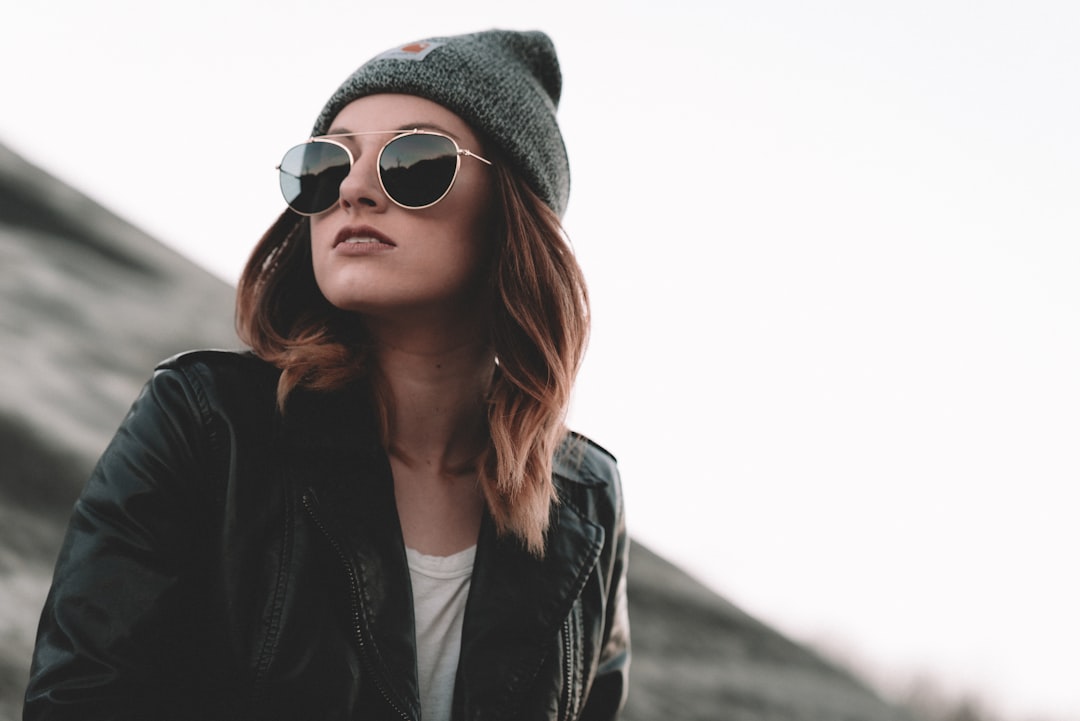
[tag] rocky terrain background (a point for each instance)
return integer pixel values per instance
(89, 304)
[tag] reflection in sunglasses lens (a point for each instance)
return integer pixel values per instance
(418, 170)
(311, 175)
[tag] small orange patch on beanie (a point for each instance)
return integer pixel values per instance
(413, 47)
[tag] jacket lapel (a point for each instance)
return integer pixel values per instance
(516, 605)
(339, 462)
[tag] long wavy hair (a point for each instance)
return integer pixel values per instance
(539, 330)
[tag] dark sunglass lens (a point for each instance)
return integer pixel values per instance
(311, 175)
(417, 170)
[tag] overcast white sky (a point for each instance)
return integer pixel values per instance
(833, 252)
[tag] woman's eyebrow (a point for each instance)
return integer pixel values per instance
(338, 130)
(426, 126)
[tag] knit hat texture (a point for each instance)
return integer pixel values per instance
(504, 84)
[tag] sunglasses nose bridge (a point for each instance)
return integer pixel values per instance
(361, 185)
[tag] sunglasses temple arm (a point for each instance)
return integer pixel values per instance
(471, 154)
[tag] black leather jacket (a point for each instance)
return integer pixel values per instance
(225, 562)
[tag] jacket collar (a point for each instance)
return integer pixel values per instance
(516, 601)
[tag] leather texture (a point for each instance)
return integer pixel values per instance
(228, 562)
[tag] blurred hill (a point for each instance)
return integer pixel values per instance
(89, 304)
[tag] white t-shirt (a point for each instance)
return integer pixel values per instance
(440, 589)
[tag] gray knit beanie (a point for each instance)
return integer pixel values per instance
(504, 84)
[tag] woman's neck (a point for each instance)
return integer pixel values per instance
(435, 386)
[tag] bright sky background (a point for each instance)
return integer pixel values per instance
(833, 252)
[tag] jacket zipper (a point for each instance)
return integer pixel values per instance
(354, 602)
(568, 666)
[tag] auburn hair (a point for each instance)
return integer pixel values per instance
(539, 329)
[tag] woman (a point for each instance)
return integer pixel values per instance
(376, 513)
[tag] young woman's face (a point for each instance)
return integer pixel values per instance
(373, 257)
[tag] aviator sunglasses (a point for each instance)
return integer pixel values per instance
(417, 168)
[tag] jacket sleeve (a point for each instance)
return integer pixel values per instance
(121, 616)
(609, 689)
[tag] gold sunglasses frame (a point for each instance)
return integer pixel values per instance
(331, 138)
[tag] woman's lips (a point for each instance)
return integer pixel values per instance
(361, 240)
